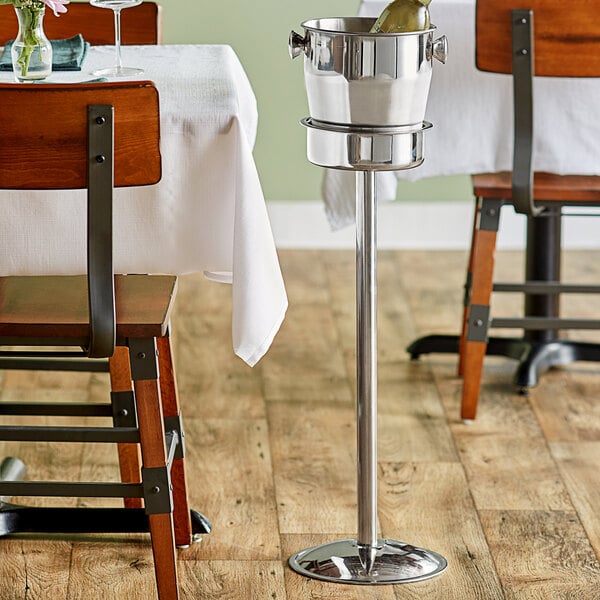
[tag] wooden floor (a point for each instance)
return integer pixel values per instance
(512, 499)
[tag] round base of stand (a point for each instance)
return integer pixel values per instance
(345, 561)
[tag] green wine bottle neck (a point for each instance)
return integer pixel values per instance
(403, 16)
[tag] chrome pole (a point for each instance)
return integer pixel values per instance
(366, 363)
(366, 559)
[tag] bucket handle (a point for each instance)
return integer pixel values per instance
(297, 44)
(440, 49)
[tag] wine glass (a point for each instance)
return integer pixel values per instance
(116, 6)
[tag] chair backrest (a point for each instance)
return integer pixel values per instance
(531, 38)
(140, 24)
(48, 124)
(91, 136)
(566, 36)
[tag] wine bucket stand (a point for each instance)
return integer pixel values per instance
(366, 559)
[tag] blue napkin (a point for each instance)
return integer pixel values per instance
(67, 55)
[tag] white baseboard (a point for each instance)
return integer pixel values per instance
(414, 225)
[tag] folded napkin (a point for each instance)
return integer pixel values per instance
(67, 55)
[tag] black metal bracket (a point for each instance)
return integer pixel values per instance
(489, 216)
(158, 492)
(124, 412)
(143, 358)
(523, 72)
(156, 481)
(101, 294)
(478, 324)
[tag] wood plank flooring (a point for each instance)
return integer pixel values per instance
(511, 499)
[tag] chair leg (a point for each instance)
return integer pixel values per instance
(164, 552)
(158, 498)
(171, 411)
(484, 246)
(473, 365)
(467, 297)
(130, 461)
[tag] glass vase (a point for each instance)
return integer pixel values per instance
(31, 51)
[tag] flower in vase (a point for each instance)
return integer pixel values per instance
(57, 6)
(32, 12)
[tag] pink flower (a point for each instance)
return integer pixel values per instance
(57, 6)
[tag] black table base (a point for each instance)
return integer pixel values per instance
(535, 357)
(29, 519)
(538, 350)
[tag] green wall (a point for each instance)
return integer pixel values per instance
(258, 32)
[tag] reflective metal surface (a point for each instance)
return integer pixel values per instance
(394, 562)
(355, 77)
(366, 364)
(367, 560)
(364, 148)
(367, 95)
(440, 49)
(11, 469)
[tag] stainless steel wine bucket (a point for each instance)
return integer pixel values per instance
(354, 77)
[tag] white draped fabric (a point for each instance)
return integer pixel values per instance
(471, 112)
(206, 215)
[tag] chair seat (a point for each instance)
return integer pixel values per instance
(57, 306)
(546, 186)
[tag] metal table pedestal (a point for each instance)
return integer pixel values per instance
(536, 351)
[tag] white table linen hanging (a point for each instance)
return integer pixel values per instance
(471, 112)
(207, 214)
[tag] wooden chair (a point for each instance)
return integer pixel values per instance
(85, 136)
(547, 38)
(140, 24)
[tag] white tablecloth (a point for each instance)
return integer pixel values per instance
(471, 112)
(207, 214)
